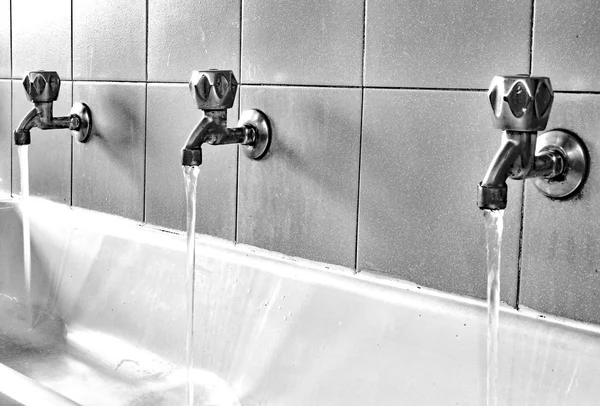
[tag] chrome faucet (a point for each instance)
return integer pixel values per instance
(42, 88)
(214, 93)
(557, 160)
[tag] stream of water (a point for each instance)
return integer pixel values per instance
(190, 175)
(494, 223)
(23, 151)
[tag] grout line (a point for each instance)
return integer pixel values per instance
(241, 35)
(72, 53)
(147, 37)
(11, 109)
(425, 89)
(520, 251)
(237, 173)
(72, 100)
(522, 219)
(145, 176)
(72, 149)
(531, 37)
(360, 135)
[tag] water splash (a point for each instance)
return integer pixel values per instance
(23, 151)
(494, 224)
(190, 175)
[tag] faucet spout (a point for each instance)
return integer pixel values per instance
(513, 159)
(22, 133)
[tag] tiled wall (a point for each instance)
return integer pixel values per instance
(381, 129)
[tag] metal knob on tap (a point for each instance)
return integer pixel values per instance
(214, 91)
(521, 103)
(42, 88)
(557, 160)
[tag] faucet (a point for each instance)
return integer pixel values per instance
(42, 88)
(214, 92)
(557, 161)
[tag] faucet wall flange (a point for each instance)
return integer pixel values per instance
(81, 122)
(575, 159)
(258, 120)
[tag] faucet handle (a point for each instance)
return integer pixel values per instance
(521, 102)
(213, 89)
(41, 86)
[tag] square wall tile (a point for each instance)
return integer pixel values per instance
(109, 40)
(41, 35)
(171, 117)
(49, 151)
(108, 170)
(301, 198)
(5, 39)
(561, 239)
(445, 44)
(303, 42)
(205, 35)
(421, 163)
(5, 137)
(565, 43)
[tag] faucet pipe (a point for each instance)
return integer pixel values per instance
(41, 116)
(516, 159)
(212, 129)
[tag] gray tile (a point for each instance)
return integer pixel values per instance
(171, 117)
(301, 199)
(565, 43)
(108, 170)
(187, 35)
(302, 42)
(41, 35)
(109, 40)
(5, 137)
(421, 163)
(561, 239)
(49, 151)
(441, 44)
(5, 39)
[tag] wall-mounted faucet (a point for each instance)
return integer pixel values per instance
(556, 160)
(214, 93)
(42, 88)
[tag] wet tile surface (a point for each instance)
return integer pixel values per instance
(108, 170)
(171, 117)
(561, 239)
(309, 42)
(49, 151)
(109, 40)
(565, 42)
(187, 35)
(459, 44)
(5, 137)
(301, 199)
(420, 167)
(41, 36)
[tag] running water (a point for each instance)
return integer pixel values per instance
(494, 223)
(23, 151)
(190, 175)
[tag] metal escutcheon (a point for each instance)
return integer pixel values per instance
(576, 164)
(82, 111)
(260, 121)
